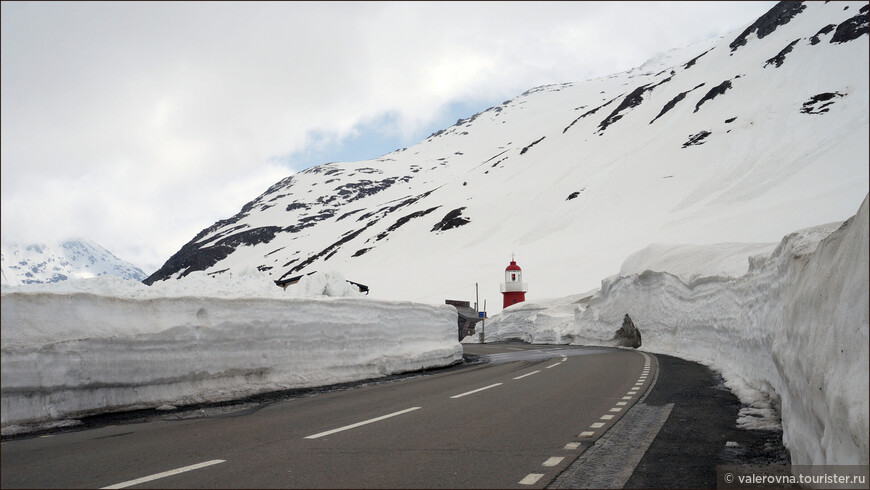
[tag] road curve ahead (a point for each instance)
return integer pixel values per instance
(514, 422)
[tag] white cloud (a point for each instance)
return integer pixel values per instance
(138, 124)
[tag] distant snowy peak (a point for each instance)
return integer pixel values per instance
(738, 139)
(61, 261)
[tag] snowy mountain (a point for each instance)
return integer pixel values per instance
(741, 139)
(69, 259)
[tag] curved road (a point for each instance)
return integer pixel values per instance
(515, 422)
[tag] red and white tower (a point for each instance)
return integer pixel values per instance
(513, 288)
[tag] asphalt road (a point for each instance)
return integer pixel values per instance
(515, 422)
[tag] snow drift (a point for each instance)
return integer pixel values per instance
(108, 344)
(790, 335)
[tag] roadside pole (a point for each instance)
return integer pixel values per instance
(483, 326)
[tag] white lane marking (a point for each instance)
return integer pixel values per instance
(606, 417)
(572, 445)
(627, 398)
(632, 392)
(588, 433)
(531, 479)
(616, 409)
(475, 391)
(553, 365)
(553, 461)
(165, 474)
(364, 422)
(528, 374)
(597, 425)
(621, 404)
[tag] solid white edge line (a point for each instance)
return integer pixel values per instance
(528, 374)
(364, 422)
(531, 478)
(475, 391)
(164, 474)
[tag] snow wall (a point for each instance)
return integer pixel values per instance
(69, 354)
(790, 335)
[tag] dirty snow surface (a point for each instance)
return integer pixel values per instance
(105, 344)
(786, 324)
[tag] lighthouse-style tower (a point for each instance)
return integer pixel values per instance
(513, 288)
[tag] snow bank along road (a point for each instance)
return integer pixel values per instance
(515, 422)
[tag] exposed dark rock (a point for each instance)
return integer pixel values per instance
(328, 251)
(533, 143)
(345, 215)
(673, 102)
(575, 194)
(852, 28)
(692, 61)
(453, 219)
(779, 15)
(195, 256)
(696, 139)
(404, 219)
(818, 104)
(824, 30)
(273, 251)
(730, 120)
(628, 335)
(297, 205)
(590, 112)
(631, 100)
(717, 90)
(361, 251)
(779, 59)
(255, 236)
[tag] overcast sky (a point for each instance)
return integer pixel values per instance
(136, 125)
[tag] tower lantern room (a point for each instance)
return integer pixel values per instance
(513, 288)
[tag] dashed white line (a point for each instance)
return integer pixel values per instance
(572, 445)
(475, 391)
(588, 433)
(606, 417)
(531, 479)
(528, 374)
(158, 476)
(621, 404)
(364, 422)
(553, 461)
(553, 365)
(616, 409)
(597, 425)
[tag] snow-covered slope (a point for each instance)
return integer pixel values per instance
(742, 139)
(69, 259)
